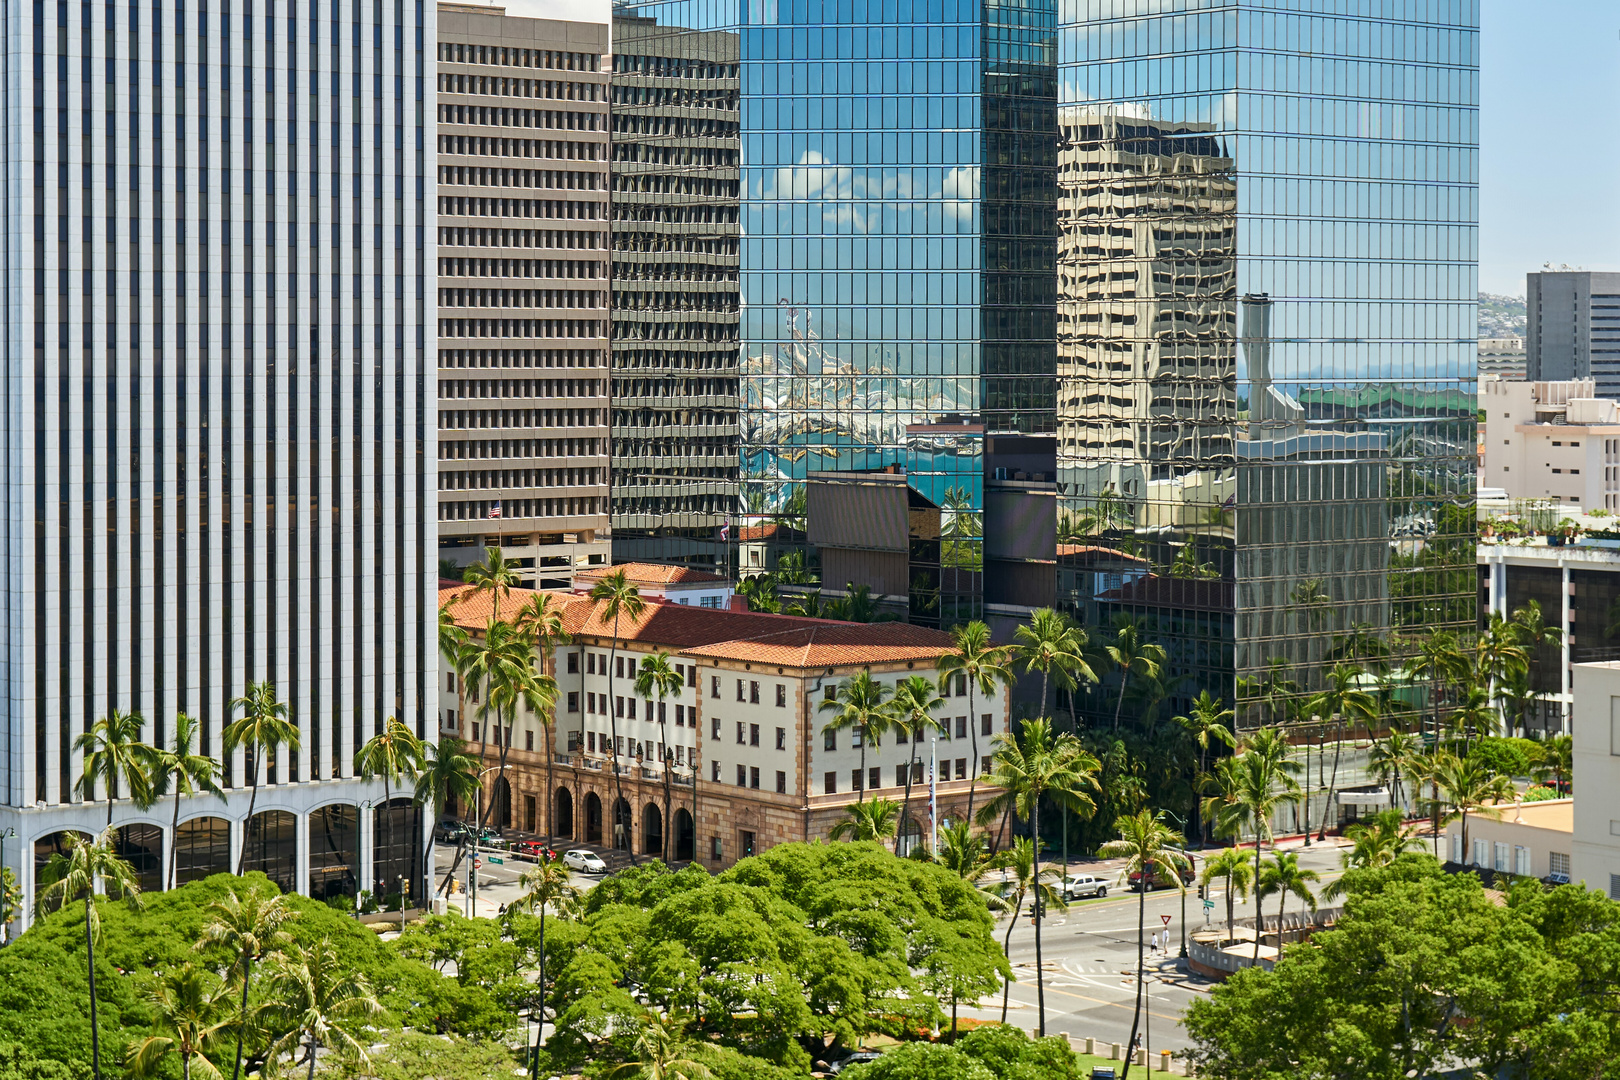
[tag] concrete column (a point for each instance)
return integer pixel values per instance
(301, 836)
(366, 819)
(238, 838)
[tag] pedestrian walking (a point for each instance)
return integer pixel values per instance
(1153, 944)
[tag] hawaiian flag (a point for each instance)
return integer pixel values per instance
(725, 530)
(495, 510)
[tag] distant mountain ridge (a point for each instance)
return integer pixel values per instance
(1501, 316)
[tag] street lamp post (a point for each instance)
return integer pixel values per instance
(1183, 823)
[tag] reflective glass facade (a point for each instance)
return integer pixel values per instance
(896, 253)
(1266, 292)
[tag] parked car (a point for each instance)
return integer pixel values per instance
(491, 838)
(532, 849)
(449, 831)
(1079, 886)
(1161, 879)
(586, 862)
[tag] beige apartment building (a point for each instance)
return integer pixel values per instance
(1551, 440)
(523, 290)
(748, 762)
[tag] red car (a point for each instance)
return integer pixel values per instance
(532, 849)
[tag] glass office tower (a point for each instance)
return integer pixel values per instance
(1266, 288)
(895, 270)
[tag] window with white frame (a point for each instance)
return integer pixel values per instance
(1558, 863)
(1521, 860)
(1499, 860)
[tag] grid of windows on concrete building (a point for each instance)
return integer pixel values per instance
(523, 292)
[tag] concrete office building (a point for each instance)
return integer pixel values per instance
(1503, 357)
(1552, 441)
(523, 291)
(1596, 855)
(1265, 367)
(1572, 328)
(218, 421)
(676, 300)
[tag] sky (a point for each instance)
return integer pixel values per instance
(571, 10)
(1549, 153)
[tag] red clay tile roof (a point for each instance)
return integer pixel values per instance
(1072, 550)
(774, 530)
(756, 637)
(651, 574)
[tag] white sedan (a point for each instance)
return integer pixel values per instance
(587, 862)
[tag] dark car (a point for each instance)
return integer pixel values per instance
(450, 831)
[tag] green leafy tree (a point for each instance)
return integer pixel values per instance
(75, 876)
(858, 604)
(1034, 766)
(1441, 660)
(1147, 845)
(658, 679)
(983, 667)
(1282, 876)
(261, 728)
(921, 1061)
(1395, 760)
(250, 927)
(860, 706)
(546, 887)
(315, 1002)
(187, 772)
(875, 821)
(192, 1006)
(912, 717)
(617, 598)
(113, 752)
(1130, 653)
(962, 852)
(1231, 867)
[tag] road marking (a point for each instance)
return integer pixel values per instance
(1112, 1004)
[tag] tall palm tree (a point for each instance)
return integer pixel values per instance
(113, 751)
(1131, 655)
(913, 705)
(1343, 700)
(1026, 882)
(501, 658)
(493, 575)
(658, 1053)
(546, 885)
(1555, 758)
(1231, 866)
(1475, 713)
(250, 927)
(1282, 875)
(1499, 650)
(1375, 841)
(656, 680)
(1147, 845)
(455, 645)
(1036, 765)
(962, 852)
(1468, 785)
(395, 755)
(877, 820)
(316, 1001)
(188, 773)
(262, 727)
(543, 623)
(74, 876)
(1050, 642)
(618, 598)
(1393, 759)
(1531, 631)
(191, 1004)
(1311, 601)
(1517, 695)
(858, 604)
(983, 666)
(1441, 660)
(1254, 785)
(516, 683)
(859, 706)
(1208, 722)
(448, 774)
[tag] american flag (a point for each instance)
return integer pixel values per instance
(495, 509)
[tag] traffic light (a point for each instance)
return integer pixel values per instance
(1203, 892)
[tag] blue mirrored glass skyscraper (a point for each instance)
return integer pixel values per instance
(898, 236)
(1266, 301)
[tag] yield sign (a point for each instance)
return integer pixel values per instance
(1166, 919)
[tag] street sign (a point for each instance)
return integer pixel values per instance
(478, 864)
(1208, 904)
(497, 860)
(1166, 919)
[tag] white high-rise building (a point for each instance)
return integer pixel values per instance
(218, 415)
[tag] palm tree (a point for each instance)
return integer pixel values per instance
(502, 661)
(1231, 866)
(493, 575)
(659, 679)
(448, 773)
(860, 706)
(1050, 642)
(913, 705)
(1376, 841)
(74, 876)
(190, 1004)
(808, 605)
(858, 604)
(250, 927)
(1282, 875)
(1555, 758)
(1131, 655)
(1146, 844)
(1468, 784)
(962, 852)
(1342, 699)
(1475, 713)
(113, 751)
(262, 727)
(394, 754)
(188, 773)
(546, 885)
(543, 623)
(1019, 860)
(1311, 599)
(515, 682)
(1441, 660)
(658, 1050)
(1209, 721)
(325, 1003)
(876, 820)
(1499, 650)
(1531, 631)
(983, 666)
(455, 645)
(1517, 695)
(1254, 785)
(1040, 765)
(617, 597)
(1393, 759)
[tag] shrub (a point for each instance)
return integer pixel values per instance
(1510, 757)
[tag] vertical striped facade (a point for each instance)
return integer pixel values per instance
(219, 387)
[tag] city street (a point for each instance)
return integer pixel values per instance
(1090, 959)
